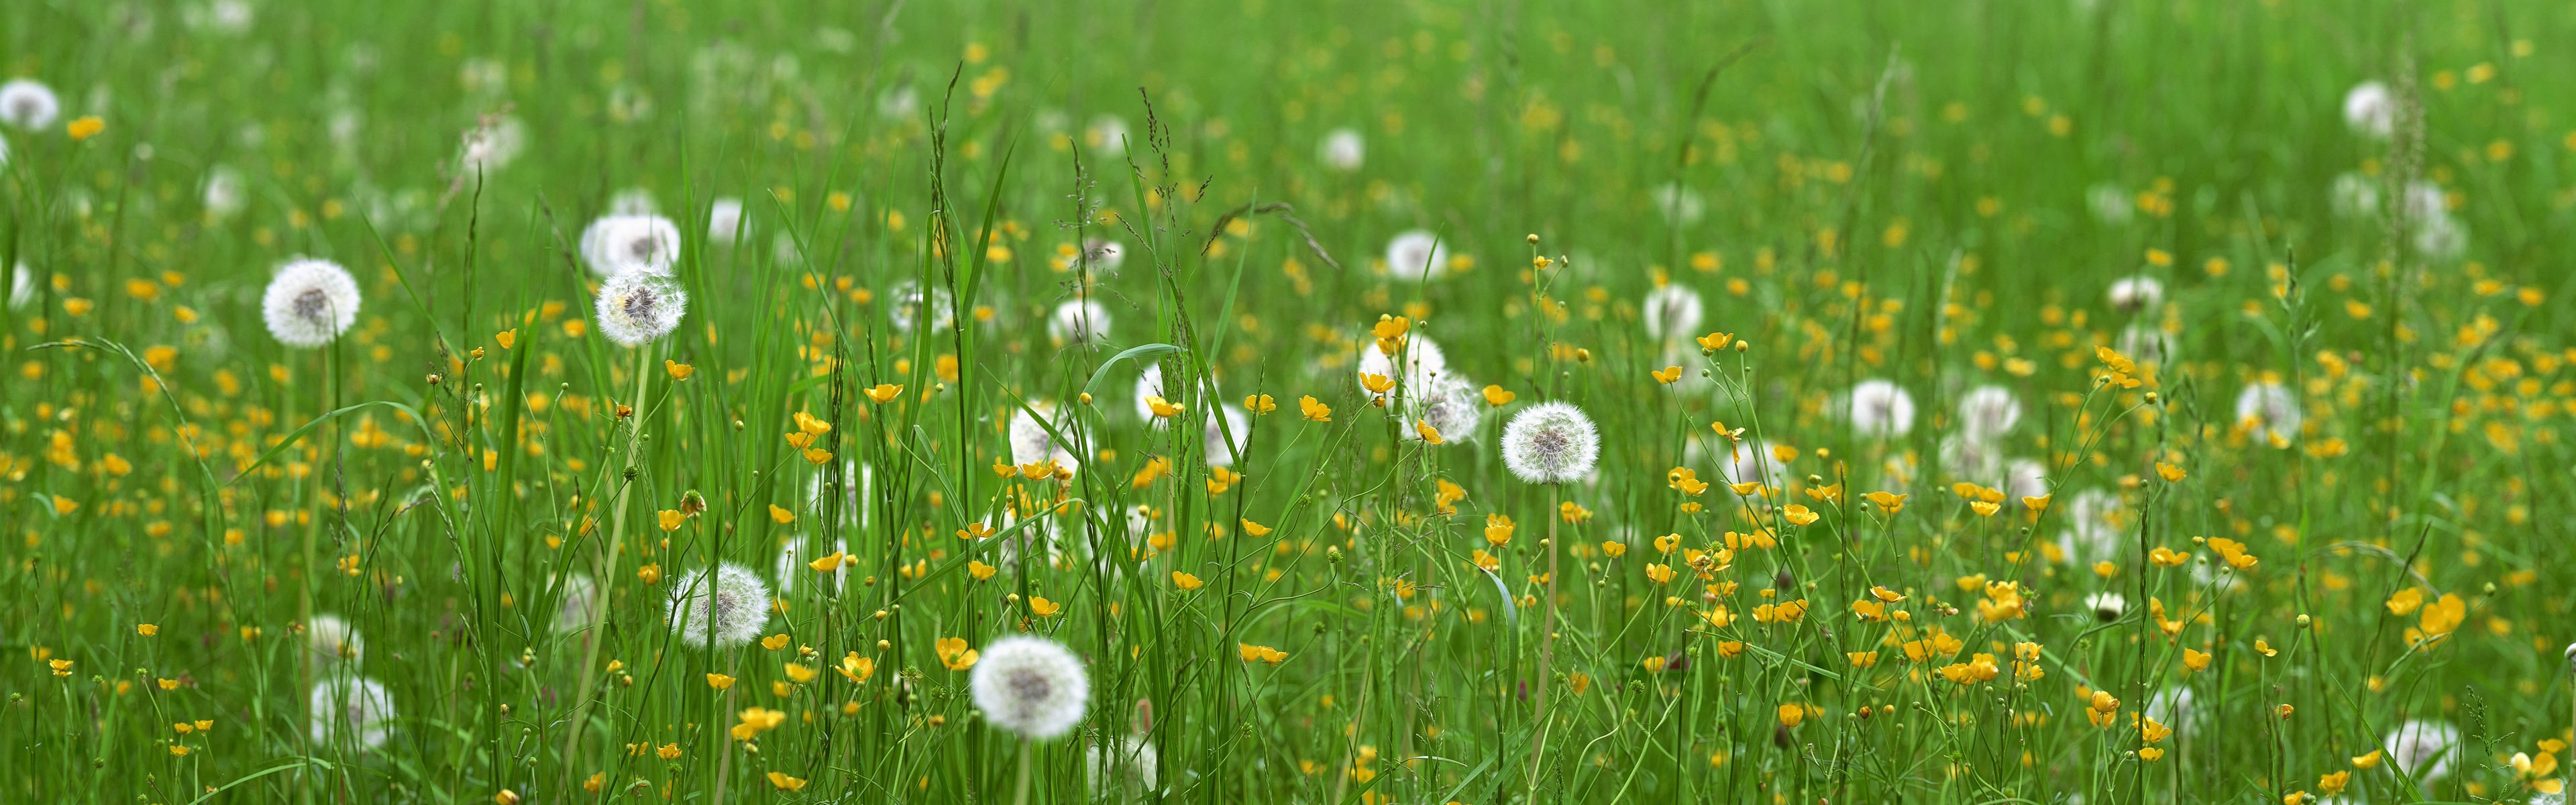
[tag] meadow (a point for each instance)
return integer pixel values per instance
(1435, 401)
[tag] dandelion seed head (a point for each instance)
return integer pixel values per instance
(1342, 150)
(719, 610)
(355, 712)
(2370, 109)
(330, 639)
(618, 243)
(1030, 686)
(1880, 409)
(1424, 364)
(639, 307)
(724, 220)
(1079, 322)
(1104, 256)
(28, 104)
(2135, 293)
(492, 145)
(580, 605)
(906, 311)
(1672, 313)
(1416, 255)
(310, 302)
(2353, 195)
(2424, 748)
(2109, 204)
(2095, 522)
(1679, 205)
(1224, 447)
(1550, 443)
(792, 559)
(1124, 769)
(1988, 412)
(2270, 412)
(2143, 343)
(1453, 406)
(1030, 442)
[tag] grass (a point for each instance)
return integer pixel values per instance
(1286, 605)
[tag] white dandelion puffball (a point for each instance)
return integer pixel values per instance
(358, 711)
(2109, 203)
(580, 606)
(1680, 205)
(1124, 769)
(224, 194)
(1415, 255)
(1453, 406)
(906, 312)
(2095, 522)
(490, 146)
(793, 558)
(2423, 748)
(29, 105)
(724, 220)
(2440, 238)
(631, 201)
(2107, 607)
(2024, 478)
(2173, 707)
(1104, 255)
(1031, 686)
(1224, 447)
(2370, 109)
(2426, 200)
(1880, 408)
(1343, 150)
(2353, 195)
(2143, 343)
(1672, 313)
(1988, 412)
(22, 286)
(1753, 460)
(1107, 132)
(2270, 411)
(720, 610)
(1031, 443)
(618, 243)
(331, 639)
(640, 307)
(1965, 456)
(1424, 365)
(1079, 322)
(2135, 293)
(1550, 443)
(310, 302)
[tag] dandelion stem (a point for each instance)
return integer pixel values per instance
(607, 580)
(1028, 750)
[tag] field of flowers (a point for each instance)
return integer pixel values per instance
(1432, 401)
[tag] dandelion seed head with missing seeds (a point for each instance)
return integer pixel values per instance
(1030, 686)
(1551, 443)
(1342, 150)
(357, 711)
(28, 104)
(492, 144)
(720, 610)
(1416, 255)
(618, 243)
(638, 308)
(1880, 409)
(310, 302)
(1452, 405)
(906, 311)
